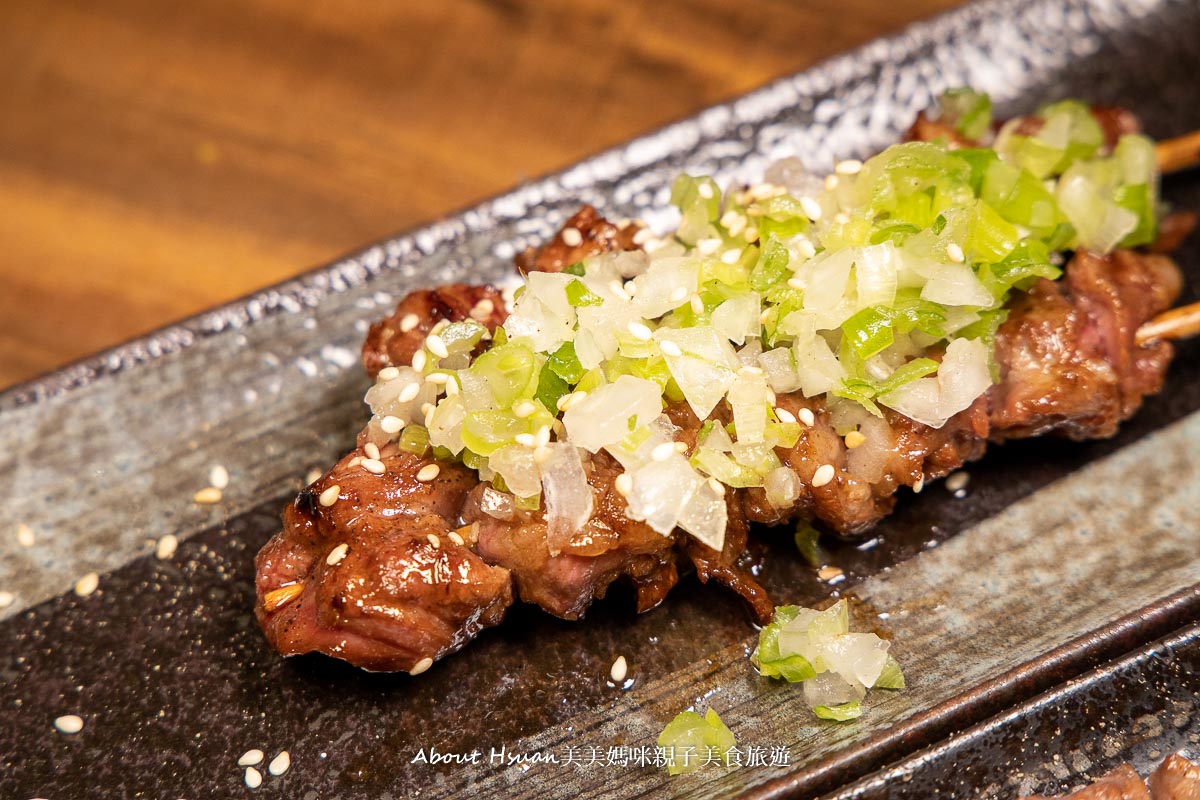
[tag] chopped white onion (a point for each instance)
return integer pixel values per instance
(603, 417)
(567, 494)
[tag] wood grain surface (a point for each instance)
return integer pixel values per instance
(159, 158)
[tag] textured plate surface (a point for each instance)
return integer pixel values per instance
(174, 681)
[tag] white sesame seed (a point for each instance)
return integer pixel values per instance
(640, 331)
(253, 778)
(618, 288)
(806, 248)
(642, 236)
(354, 462)
(408, 322)
(7, 599)
(87, 584)
(207, 496)
(419, 360)
(731, 256)
(831, 182)
(438, 378)
(409, 393)
(373, 465)
(433, 540)
(421, 666)
(482, 310)
(697, 304)
(663, 451)
(955, 253)
(436, 346)
(337, 554)
(543, 436)
(851, 166)
(623, 484)
(823, 475)
(705, 190)
(717, 487)
(795, 283)
(386, 374)
(919, 485)
(541, 455)
(330, 495)
(708, 246)
(526, 440)
(524, 408)
(785, 416)
(678, 294)
(812, 209)
(841, 218)
(831, 574)
(765, 191)
(428, 473)
(451, 388)
(572, 237)
(218, 477)
(69, 723)
(854, 439)
(25, 536)
(670, 348)
(806, 416)
(165, 547)
(390, 424)
(957, 482)
(251, 757)
(427, 409)
(312, 475)
(619, 669)
(631, 288)
(372, 450)
(454, 537)
(750, 235)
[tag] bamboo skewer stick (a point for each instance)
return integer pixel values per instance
(1180, 153)
(1175, 323)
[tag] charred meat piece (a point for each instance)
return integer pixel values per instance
(1175, 779)
(608, 547)
(1068, 359)
(376, 576)
(1123, 783)
(585, 234)
(394, 340)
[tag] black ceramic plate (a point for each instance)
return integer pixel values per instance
(1058, 558)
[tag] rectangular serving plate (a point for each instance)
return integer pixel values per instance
(1059, 557)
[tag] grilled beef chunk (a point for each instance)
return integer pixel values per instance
(596, 235)
(388, 344)
(1175, 779)
(1123, 783)
(403, 590)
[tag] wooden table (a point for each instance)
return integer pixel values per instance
(159, 158)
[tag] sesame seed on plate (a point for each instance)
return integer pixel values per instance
(25, 536)
(373, 466)
(7, 599)
(831, 574)
(390, 424)
(253, 778)
(919, 485)
(823, 475)
(572, 237)
(812, 209)
(207, 496)
(731, 256)
(311, 476)
(955, 253)
(543, 436)
(372, 450)
(957, 482)
(854, 439)
(277, 598)
(697, 304)
(421, 666)
(524, 408)
(796, 283)
(454, 537)
(851, 166)
(619, 669)
(330, 495)
(408, 322)
(165, 547)
(663, 451)
(251, 757)
(526, 440)
(680, 447)
(806, 416)
(436, 345)
(337, 554)
(218, 477)
(69, 723)
(419, 360)
(388, 374)
(440, 378)
(409, 393)
(623, 484)
(428, 473)
(639, 331)
(433, 540)
(785, 416)
(87, 584)
(806, 248)
(670, 349)
(280, 763)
